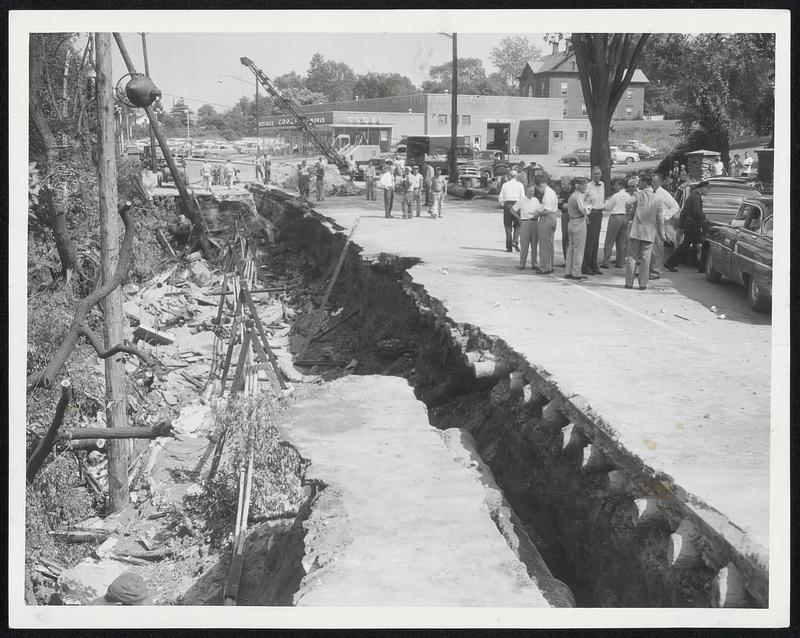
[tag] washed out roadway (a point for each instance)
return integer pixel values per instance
(686, 392)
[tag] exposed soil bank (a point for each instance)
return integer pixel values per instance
(617, 534)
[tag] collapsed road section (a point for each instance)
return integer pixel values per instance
(609, 519)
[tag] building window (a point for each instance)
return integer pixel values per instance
(534, 135)
(565, 108)
(563, 89)
(629, 95)
(466, 119)
(443, 119)
(628, 111)
(541, 88)
(583, 136)
(557, 135)
(583, 108)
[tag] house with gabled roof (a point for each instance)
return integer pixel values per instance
(556, 76)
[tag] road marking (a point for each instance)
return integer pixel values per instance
(634, 312)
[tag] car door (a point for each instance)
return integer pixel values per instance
(752, 252)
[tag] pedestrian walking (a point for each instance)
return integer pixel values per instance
(527, 211)
(438, 191)
(510, 193)
(747, 164)
(667, 207)
(369, 178)
(578, 211)
(596, 196)
(617, 229)
(407, 186)
(229, 172)
(546, 224)
(207, 173)
(319, 173)
(646, 226)
(386, 183)
(419, 181)
(691, 223)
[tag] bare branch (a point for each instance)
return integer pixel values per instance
(46, 444)
(94, 340)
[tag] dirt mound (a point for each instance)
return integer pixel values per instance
(335, 183)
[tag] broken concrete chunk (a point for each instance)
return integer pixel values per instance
(88, 580)
(152, 336)
(194, 420)
(200, 342)
(200, 273)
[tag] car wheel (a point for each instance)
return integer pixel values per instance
(629, 160)
(573, 162)
(757, 299)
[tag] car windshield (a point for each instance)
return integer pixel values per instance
(768, 226)
(486, 155)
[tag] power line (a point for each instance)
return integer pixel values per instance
(191, 99)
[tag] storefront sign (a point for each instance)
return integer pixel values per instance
(361, 119)
(277, 121)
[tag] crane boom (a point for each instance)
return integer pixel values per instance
(288, 106)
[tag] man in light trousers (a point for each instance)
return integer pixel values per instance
(646, 225)
(617, 229)
(438, 191)
(527, 209)
(369, 177)
(548, 220)
(578, 211)
(386, 182)
(668, 207)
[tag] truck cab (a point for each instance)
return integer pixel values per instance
(435, 151)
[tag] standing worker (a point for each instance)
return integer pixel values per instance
(548, 211)
(577, 211)
(646, 226)
(407, 186)
(418, 184)
(667, 207)
(691, 223)
(369, 177)
(596, 196)
(429, 174)
(229, 172)
(319, 172)
(510, 193)
(259, 162)
(267, 169)
(438, 191)
(386, 182)
(747, 164)
(527, 209)
(617, 229)
(207, 173)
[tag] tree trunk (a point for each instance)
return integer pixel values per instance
(601, 149)
(116, 416)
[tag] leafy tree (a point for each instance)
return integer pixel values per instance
(510, 57)
(471, 77)
(206, 111)
(335, 79)
(373, 85)
(180, 111)
(497, 84)
(606, 62)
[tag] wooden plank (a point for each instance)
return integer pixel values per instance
(263, 336)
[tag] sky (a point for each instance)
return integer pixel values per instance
(190, 65)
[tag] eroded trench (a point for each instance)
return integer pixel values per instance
(582, 519)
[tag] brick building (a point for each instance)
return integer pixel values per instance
(555, 76)
(491, 121)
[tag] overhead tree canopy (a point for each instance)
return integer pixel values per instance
(471, 77)
(373, 85)
(334, 79)
(606, 63)
(511, 55)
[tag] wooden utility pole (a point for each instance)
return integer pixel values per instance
(116, 404)
(454, 115)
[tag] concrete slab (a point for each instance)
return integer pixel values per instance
(424, 533)
(686, 392)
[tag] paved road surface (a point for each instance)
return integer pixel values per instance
(685, 391)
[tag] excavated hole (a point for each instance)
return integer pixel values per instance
(584, 533)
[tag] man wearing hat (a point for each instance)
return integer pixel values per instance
(691, 223)
(127, 589)
(577, 211)
(418, 180)
(647, 225)
(511, 192)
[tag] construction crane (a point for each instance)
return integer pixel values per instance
(288, 106)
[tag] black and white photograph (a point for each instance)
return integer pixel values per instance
(399, 318)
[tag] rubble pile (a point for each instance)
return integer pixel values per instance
(335, 183)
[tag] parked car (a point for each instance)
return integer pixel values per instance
(723, 199)
(580, 156)
(619, 156)
(636, 146)
(742, 251)
(485, 166)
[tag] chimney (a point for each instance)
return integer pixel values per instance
(555, 47)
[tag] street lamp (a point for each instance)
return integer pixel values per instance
(453, 109)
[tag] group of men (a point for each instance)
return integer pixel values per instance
(411, 185)
(304, 175)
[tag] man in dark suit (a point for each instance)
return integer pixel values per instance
(691, 223)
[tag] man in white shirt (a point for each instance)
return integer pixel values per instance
(617, 229)
(595, 197)
(438, 191)
(511, 192)
(747, 164)
(386, 182)
(369, 178)
(577, 210)
(548, 214)
(207, 171)
(527, 209)
(719, 167)
(667, 206)
(418, 182)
